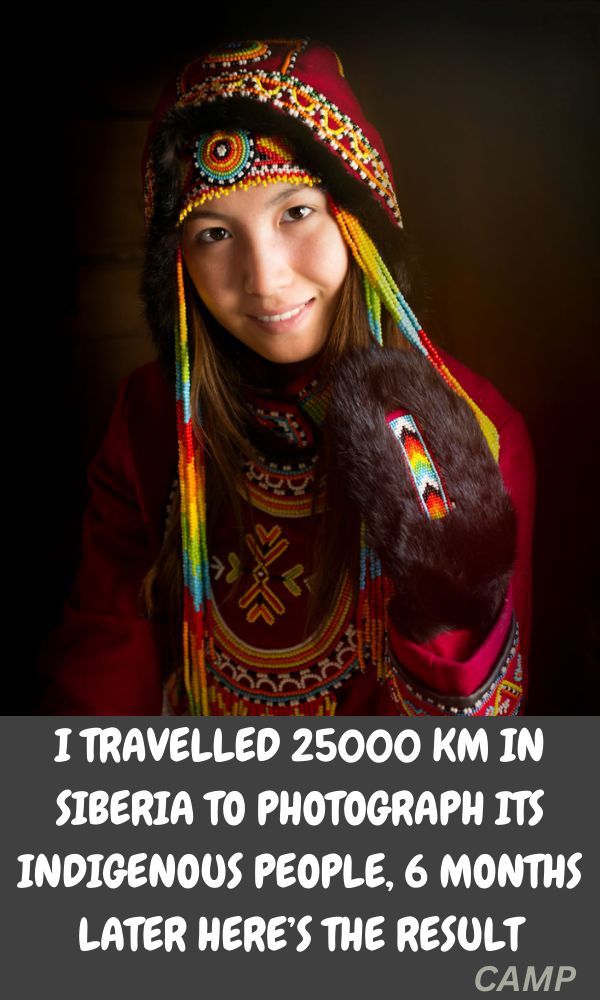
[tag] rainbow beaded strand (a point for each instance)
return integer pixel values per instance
(192, 480)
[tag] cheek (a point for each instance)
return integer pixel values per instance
(207, 280)
(330, 257)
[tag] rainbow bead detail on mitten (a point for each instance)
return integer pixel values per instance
(426, 478)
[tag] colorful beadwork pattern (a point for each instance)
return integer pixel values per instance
(303, 672)
(293, 421)
(304, 654)
(502, 696)
(224, 157)
(295, 47)
(297, 680)
(282, 490)
(425, 477)
(283, 424)
(225, 161)
(299, 100)
(237, 54)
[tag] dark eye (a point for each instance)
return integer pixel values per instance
(215, 235)
(296, 211)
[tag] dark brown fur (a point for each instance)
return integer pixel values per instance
(451, 572)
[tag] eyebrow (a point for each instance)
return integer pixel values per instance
(204, 213)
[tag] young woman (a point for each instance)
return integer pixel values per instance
(302, 507)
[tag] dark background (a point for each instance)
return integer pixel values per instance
(488, 112)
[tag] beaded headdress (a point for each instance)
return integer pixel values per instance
(303, 83)
(232, 159)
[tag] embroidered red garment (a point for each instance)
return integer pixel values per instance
(105, 658)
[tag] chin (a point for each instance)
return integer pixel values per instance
(287, 354)
(288, 357)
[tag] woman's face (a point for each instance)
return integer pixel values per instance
(257, 255)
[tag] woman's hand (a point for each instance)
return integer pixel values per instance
(430, 493)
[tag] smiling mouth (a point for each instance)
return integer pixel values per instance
(277, 317)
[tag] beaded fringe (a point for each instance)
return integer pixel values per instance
(371, 612)
(374, 589)
(197, 597)
(222, 701)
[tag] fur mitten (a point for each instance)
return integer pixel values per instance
(450, 571)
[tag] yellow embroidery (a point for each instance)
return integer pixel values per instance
(289, 579)
(236, 568)
(507, 687)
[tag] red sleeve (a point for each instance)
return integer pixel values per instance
(451, 675)
(104, 658)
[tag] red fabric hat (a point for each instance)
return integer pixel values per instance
(298, 79)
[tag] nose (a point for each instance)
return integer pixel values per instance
(265, 266)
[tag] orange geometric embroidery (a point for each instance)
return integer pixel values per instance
(259, 599)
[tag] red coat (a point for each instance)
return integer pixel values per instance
(105, 658)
